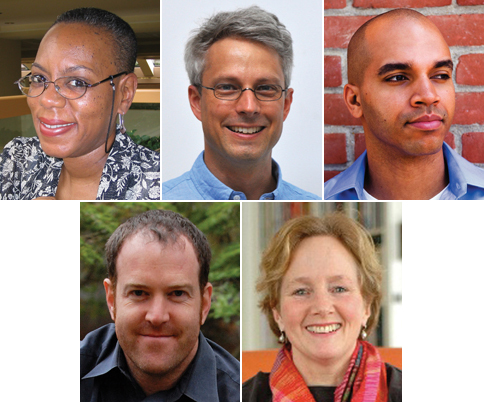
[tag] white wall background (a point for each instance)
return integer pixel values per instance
(299, 151)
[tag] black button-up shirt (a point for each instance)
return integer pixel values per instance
(213, 375)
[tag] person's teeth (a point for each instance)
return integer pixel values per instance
(57, 125)
(246, 130)
(326, 329)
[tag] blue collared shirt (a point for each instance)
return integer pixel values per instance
(200, 184)
(212, 376)
(466, 181)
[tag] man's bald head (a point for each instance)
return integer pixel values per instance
(359, 51)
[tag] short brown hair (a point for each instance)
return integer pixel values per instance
(354, 237)
(166, 227)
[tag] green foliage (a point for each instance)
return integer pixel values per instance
(152, 143)
(220, 222)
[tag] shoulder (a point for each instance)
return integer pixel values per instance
(22, 147)
(227, 370)
(226, 364)
(146, 159)
(291, 192)
(394, 381)
(131, 172)
(257, 388)
(96, 345)
(180, 188)
(347, 184)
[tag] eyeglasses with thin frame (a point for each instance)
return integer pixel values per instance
(231, 92)
(68, 87)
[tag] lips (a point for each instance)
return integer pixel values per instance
(323, 329)
(246, 130)
(427, 122)
(52, 128)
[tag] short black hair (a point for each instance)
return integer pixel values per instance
(124, 38)
(166, 227)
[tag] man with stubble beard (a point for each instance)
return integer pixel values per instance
(400, 86)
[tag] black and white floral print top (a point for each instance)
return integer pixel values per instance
(131, 172)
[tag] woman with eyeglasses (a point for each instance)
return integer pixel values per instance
(81, 83)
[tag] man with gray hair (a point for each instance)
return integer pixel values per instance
(239, 65)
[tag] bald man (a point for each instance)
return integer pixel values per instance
(400, 86)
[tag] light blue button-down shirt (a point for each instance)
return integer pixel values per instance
(200, 184)
(466, 181)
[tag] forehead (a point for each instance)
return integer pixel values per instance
(405, 40)
(143, 256)
(321, 257)
(242, 59)
(76, 43)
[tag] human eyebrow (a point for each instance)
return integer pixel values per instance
(77, 68)
(445, 63)
(386, 68)
(68, 70)
(39, 67)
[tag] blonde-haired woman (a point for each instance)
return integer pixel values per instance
(321, 287)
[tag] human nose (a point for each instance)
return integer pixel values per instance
(50, 97)
(158, 312)
(425, 93)
(322, 302)
(247, 102)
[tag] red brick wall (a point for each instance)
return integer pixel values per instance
(462, 24)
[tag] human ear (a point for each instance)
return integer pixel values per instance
(127, 85)
(351, 95)
(206, 302)
(278, 319)
(287, 102)
(110, 296)
(195, 99)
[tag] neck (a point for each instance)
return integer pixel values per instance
(80, 176)
(152, 383)
(397, 177)
(329, 373)
(253, 178)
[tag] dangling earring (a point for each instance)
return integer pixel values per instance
(282, 339)
(120, 125)
(363, 332)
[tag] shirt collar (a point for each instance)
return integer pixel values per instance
(109, 362)
(461, 174)
(202, 383)
(210, 187)
(352, 179)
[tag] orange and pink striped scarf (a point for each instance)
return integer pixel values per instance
(364, 380)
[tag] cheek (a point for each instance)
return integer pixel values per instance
(353, 311)
(291, 315)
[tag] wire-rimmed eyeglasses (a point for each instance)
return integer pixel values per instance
(263, 92)
(68, 87)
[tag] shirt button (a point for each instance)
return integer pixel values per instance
(237, 197)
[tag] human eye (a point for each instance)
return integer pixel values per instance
(37, 79)
(267, 91)
(396, 78)
(340, 289)
(300, 292)
(179, 295)
(137, 294)
(442, 76)
(75, 83)
(227, 88)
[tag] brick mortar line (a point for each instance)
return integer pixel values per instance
(453, 9)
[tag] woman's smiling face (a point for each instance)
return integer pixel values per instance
(73, 128)
(321, 307)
